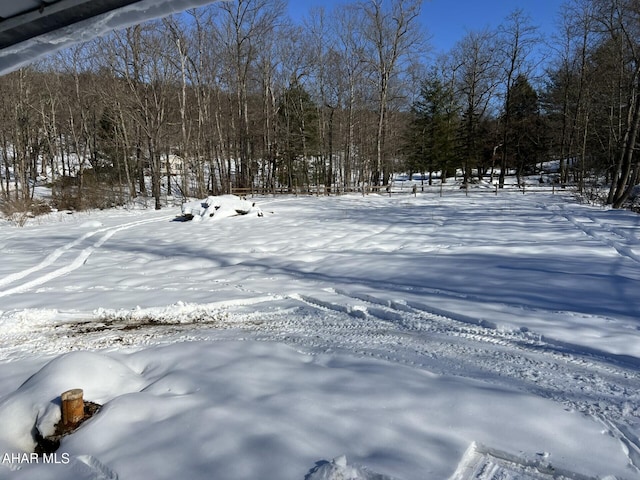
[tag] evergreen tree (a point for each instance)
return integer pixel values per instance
(298, 131)
(430, 141)
(525, 135)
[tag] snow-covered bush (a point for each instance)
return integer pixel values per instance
(217, 207)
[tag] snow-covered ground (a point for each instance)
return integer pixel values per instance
(402, 337)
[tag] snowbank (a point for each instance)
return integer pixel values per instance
(339, 469)
(37, 403)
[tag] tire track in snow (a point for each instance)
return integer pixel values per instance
(77, 262)
(603, 234)
(597, 385)
(48, 260)
(417, 318)
(600, 233)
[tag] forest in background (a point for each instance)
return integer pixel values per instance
(236, 95)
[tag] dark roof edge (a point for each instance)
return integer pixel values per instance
(52, 17)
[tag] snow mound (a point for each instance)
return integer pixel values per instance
(338, 469)
(218, 207)
(91, 224)
(36, 403)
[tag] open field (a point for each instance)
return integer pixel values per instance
(398, 331)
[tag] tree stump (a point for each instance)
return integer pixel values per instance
(72, 407)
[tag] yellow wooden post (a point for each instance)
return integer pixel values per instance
(72, 407)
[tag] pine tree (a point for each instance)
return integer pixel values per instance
(525, 135)
(430, 143)
(298, 131)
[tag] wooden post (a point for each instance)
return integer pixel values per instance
(72, 407)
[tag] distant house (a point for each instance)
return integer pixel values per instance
(173, 164)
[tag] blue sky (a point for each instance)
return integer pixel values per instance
(447, 21)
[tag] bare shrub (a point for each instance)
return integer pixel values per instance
(18, 211)
(71, 194)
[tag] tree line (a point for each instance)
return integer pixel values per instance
(237, 95)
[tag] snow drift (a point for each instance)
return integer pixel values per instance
(260, 410)
(36, 404)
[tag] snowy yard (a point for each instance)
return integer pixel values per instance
(423, 338)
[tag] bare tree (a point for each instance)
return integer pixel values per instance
(244, 25)
(322, 86)
(477, 75)
(621, 19)
(391, 34)
(347, 60)
(141, 61)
